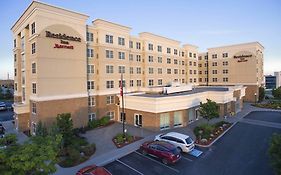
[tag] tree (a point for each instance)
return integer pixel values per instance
(277, 93)
(209, 110)
(275, 152)
(261, 94)
(41, 130)
(38, 156)
(65, 127)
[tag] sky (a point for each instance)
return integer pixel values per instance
(203, 23)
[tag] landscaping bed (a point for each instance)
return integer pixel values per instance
(120, 141)
(270, 105)
(206, 134)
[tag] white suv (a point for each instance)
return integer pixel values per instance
(181, 141)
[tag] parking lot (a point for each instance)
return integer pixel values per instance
(243, 150)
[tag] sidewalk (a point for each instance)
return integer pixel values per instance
(10, 129)
(114, 154)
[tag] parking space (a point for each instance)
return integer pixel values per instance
(267, 116)
(242, 150)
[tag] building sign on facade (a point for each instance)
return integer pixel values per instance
(242, 58)
(63, 40)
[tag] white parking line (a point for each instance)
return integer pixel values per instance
(185, 158)
(157, 162)
(129, 166)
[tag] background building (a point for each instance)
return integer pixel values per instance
(273, 81)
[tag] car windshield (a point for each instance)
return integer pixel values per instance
(175, 151)
(189, 140)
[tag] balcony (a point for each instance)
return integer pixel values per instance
(21, 108)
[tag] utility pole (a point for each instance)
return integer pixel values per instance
(123, 112)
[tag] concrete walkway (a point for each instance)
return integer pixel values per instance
(107, 156)
(10, 129)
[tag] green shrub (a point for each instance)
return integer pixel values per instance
(104, 121)
(218, 124)
(89, 149)
(119, 138)
(73, 153)
(9, 139)
(94, 124)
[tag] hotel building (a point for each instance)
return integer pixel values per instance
(63, 65)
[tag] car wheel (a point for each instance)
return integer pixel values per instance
(165, 161)
(144, 152)
(179, 148)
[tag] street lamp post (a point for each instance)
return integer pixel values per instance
(255, 98)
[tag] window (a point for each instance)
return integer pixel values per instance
(194, 55)
(16, 86)
(33, 48)
(109, 39)
(33, 88)
(138, 83)
(214, 56)
(159, 59)
(182, 81)
(164, 121)
(22, 44)
(131, 44)
(150, 82)
(190, 54)
(33, 108)
(90, 69)
(200, 72)
(150, 70)
(190, 63)
(194, 80)
(15, 43)
(215, 71)
(121, 69)
(109, 53)
(199, 57)
(206, 72)
(92, 101)
(15, 57)
(121, 55)
(110, 115)
(225, 79)
(225, 71)
(224, 55)
(33, 68)
(131, 70)
(190, 71)
(110, 99)
(159, 48)
(131, 83)
(123, 83)
(138, 58)
(169, 71)
(168, 50)
(150, 58)
(138, 70)
(182, 54)
(215, 64)
(200, 79)
(206, 64)
(138, 120)
(194, 63)
(90, 85)
(109, 84)
(206, 79)
(109, 69)
(175, 61)
(131, 57)
(190, 80)
(159, 70)
(175, 51)
(168, 60)
(150, 46)
(92, 116)
(160, 82)
(182, 71)
(200, 65)
(177, 118)
(90, 36)
(206, 57)
(15, 73)
(194, 72)
(215, 79)
(121, 41)
(90, 53)
(182, 63)
(138, 45)
(32, 28)
(176, 71)
(23, 94)
(225, 63)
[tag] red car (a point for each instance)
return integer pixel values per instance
(93, 170)
(165, 151)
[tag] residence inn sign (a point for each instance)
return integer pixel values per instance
(63, 40)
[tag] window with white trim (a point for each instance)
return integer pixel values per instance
(150, 58)
(169, 71)
(138, 120)
(109, 69)
(138, 45)
(110, 99)
(159, 48)
(150, 82)
(176, 71)
(90, 53)
(138, 83)
(92, 116)
(90, 69)
(121, 41)
(109, 53)
(34, 89)
(121, 69)
(159, 59)
(111, 115)
(175, 61)
(138, 70)
(131, 44)
(160, 82)
(214, 56)
(215, 79)
(32, 28)
(225, 79)
(131, 70)
(150, 46)
(33, 48)
(138, 58)
(92, 101)
(131, 57)
(109, 39)
(225, 71)
(33, 108)
(164, 121)
(110, 84)
(121, 55)
(159, 70)
(90, 36)
(90, 85)
(175, 51)
(131, 83)
(168, 60)
(33, 68)
(150, 70)
(168, 50)
(224, 55)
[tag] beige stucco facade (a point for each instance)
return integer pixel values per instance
(64, 65)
